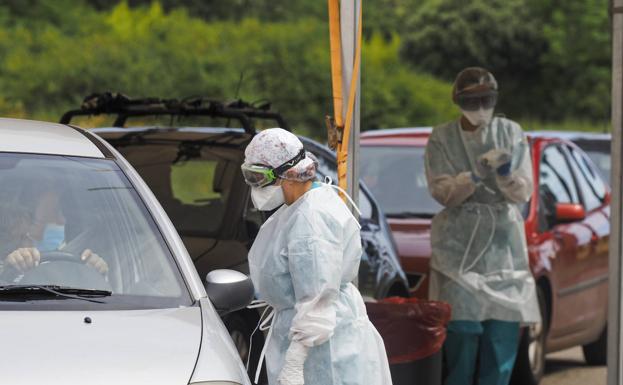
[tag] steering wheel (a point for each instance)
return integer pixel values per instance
(59, 256)
(58, 267)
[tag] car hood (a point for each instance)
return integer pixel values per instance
(118, 347)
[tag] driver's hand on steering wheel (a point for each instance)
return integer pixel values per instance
(95, 261)
(24, 258)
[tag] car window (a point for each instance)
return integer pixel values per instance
(192, 182)
(556, 176)
(603, 161)
(592, 187)
(327, 168)
(365, 205)
(64, 206)
(397, 178)
(556, 185)
(598, 150)
(590, 173)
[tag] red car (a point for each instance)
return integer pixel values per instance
(567, 228)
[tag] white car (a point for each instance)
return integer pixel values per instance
(96, 286)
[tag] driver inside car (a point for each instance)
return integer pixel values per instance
(43, 231)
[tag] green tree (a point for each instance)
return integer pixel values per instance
(444, 36)
(576, 66)
(147, 51)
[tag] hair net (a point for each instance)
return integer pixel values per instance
(276, 146)
(474, 79)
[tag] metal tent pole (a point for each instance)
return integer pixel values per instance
(349, 11)
(614, 296)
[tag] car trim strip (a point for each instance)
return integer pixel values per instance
(583, 285)
(100, 146)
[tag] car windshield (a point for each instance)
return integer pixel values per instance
(86, 226)
(397, 178)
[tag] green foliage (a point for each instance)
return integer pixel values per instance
(147, 51)
(565, 125)
(213, 10)
(551, 58)
(445, 36)
(577, 63)
(395, 96)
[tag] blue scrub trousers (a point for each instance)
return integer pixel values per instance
(493, 342)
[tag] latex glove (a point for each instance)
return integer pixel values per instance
(292, 371)
(496, 159)
(95, 261)
(467, 177)
(24, 258)
(505, 169)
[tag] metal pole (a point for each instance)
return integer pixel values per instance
(349, 11)
(614, 296)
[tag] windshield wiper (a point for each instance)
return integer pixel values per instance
(409, 214)
(59, 291)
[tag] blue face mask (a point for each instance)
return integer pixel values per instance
(53, 237)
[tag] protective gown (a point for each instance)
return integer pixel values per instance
(479, 260)
(302, 263)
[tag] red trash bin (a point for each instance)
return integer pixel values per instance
(414, 331)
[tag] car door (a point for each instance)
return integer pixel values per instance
(592, 290)
(571, 241)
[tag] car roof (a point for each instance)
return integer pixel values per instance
(130, 129)
(410, 136)
(35, 137)
(418, 136)
(397, 131)
(574, 136)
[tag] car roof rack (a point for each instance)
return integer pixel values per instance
(111, 103)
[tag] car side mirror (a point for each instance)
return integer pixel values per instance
(569, 212)
(229, 290)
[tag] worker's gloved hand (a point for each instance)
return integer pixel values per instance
(505, 169)
(95, 261)
(467, 177)
(24, 258)
(496, 159)
(475, 178)
(292, 371)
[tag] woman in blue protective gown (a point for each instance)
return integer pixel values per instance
(302, 264)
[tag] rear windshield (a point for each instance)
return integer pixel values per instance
(69, 208)
(397, 179)
(195, 184)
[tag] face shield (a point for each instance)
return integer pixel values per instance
(475, 102)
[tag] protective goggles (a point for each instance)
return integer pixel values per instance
(475, 102)
(256, 175)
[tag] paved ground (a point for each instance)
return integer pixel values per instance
(568, 368)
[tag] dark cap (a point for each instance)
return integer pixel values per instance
(476, 81)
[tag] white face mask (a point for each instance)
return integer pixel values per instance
(479, 117)
(267, 198)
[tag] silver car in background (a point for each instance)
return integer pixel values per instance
(143, 319)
